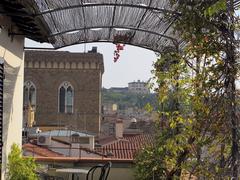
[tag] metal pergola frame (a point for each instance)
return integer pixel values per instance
(113, 27)
(46, 21)
(160, 10)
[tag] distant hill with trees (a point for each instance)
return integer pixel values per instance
(128, 99)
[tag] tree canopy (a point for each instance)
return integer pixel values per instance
(198, 136)
(126, 100)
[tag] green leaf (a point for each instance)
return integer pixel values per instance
(220, 5)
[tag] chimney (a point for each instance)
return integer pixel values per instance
(119, 129)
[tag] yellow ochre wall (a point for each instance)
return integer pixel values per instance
(12, 51)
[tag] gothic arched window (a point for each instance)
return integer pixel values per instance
(65, 96)
(29, 95)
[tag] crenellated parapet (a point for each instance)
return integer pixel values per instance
(63, 60)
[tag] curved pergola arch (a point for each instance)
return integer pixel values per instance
(123, 28)
(71, 22)
(107, 41)
(141, 6)
(144, 46)
(67, 22)
(149, 21)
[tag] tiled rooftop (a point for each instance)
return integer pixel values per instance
(126, 148)
(118, 149)
(62, 133)
(40, 151)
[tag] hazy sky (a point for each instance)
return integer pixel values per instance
(134, 64)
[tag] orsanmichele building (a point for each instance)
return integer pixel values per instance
(63, 90)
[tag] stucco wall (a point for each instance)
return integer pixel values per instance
(11, 50)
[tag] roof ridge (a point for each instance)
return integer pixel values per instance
(34, 147)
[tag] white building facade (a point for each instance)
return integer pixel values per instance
(138, 87)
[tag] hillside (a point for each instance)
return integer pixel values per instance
(126, 99)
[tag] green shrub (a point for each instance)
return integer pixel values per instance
(20, 168)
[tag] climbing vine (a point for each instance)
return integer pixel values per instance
(196, 134)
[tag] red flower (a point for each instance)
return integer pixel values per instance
(119, 47)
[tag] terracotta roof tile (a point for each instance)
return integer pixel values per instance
(107, 140)
(41, 151)
(121, 149)
(45, 152)
(127, 147)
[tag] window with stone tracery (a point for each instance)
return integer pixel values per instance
(29, 95)
(65, 98)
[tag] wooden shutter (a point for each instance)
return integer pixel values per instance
(1, 107)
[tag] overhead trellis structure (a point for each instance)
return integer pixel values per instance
(67, 22)
(136, 22)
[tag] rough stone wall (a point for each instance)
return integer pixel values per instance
(48, 70)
